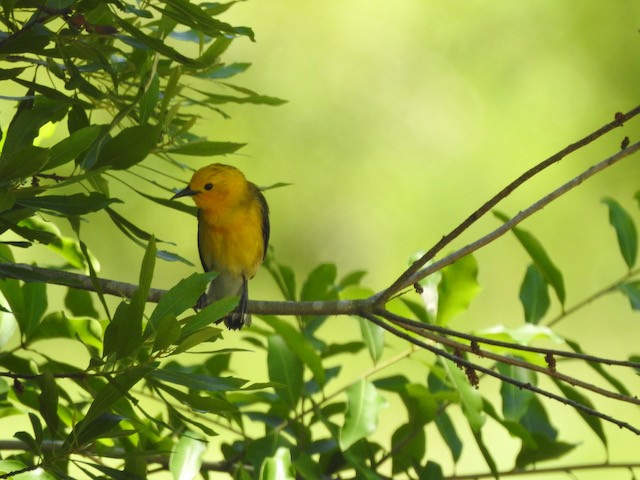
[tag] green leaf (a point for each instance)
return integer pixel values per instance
(88, 431)
(593, 422)
(449, 435)
(22, 163)
(186, 457)
(205, 148)
(546, 449)
(470, 398)
(208, 315)
(299, 345)
(320, 283)
(149, 100)
(7, 199)
(113, 391)
(361, 418)
(168, 332)
(278, 467)
(540, 258)
(625, 229)
(534, 295)
(617, 384)
(286, 368)
(486, 454)
(515, 400)
(80, 303)
(48, 401)
(632, 292)
(141, 40)
(71, 147)
(458, 287)
(181, 297)
(199, 382)
(128, 147)
(409, 444)
(373, 337)
(75, 204)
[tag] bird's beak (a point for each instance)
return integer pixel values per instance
(185, 192)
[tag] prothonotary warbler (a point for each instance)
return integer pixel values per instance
(233, 233)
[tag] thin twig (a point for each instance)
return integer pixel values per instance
(407, 278)
(524, 385)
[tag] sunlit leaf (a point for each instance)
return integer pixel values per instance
(361, 418)
(278, 467)
(469, 397)
(515, 400)
(373, 337)
(458, 287)
(186, 457)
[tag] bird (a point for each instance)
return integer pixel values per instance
(233, 233)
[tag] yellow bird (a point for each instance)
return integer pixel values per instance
(233, 233)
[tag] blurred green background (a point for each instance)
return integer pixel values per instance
(402, 118)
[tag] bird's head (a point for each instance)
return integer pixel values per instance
(214, 184)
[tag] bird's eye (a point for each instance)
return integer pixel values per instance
(208, 186)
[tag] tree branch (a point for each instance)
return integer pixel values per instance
(407, 278)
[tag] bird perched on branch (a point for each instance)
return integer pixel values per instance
(233, 233)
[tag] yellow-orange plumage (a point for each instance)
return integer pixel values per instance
(233, 231)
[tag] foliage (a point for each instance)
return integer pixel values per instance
(122, 81)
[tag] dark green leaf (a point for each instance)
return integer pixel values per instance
(35, 304)
(48, 401)
(617, 384)
(71, 147)
(149, 100)
(286, 368)
(128, 147)
(75, 204)
(89, 430)
(632, 292)
(205, 148)
(449, 435)
(626, 231)
(22, 163)
(80, 303)
(486, 454)
(458, 287)
(409, 444)
(361, 417)
(198, 382)
(168, 332)
(540, 258)
(298, 344)
(546, 449)
(593, 422)
(142, 40)
(534, 295)
(117, 387)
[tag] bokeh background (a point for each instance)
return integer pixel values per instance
(402, 118)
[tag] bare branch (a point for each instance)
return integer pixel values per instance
(407, 277)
